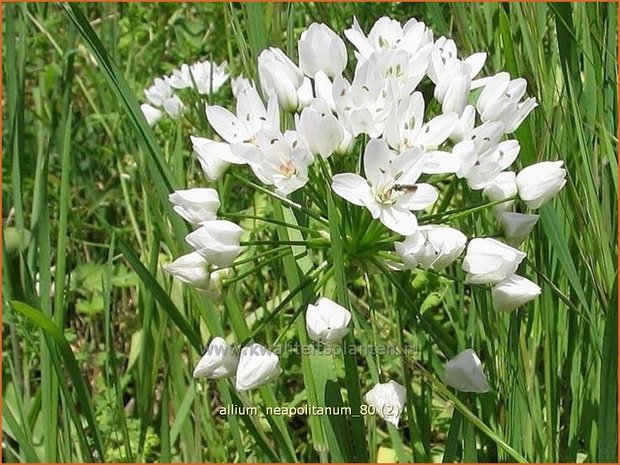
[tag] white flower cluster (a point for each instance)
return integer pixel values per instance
(204, 77)
(464, 135)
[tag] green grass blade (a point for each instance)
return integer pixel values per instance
(608, 411)
(83, 396)
(154, 288)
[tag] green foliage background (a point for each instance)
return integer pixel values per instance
(98, 344)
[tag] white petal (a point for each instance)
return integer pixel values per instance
(437, 130)
(257, 366)
(476, 62)
(151, 114)
(377, 159)
(227, 125)
(398, 220)
(353, 188)
(424, 196)
(439, 162)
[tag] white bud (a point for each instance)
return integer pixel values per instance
(320, 129)
(151, 114)
(190, 269)
(217, 241)
(488, 261)
(218, 361)
(320, 49)
(431, 246)
(388, 400)
(195, 205)
(278, 73)
(513, 292)
(327, 321)
(464, 373)
(540, 182)
(517, 226)
(257, 366)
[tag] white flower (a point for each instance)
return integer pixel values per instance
(218, 361)
(500, 101)
(391, 192)
(320, 129)
(503, 187)
(158, 92)
(209, 77)
(195, 205)
(513, 292)
(214, 157)
(217, 241)
(363, 106)
(388, 400)
(279, 74)
(239, 84)
(388, 34)
(173, 106)
(405, 129)
(257, 366)
(431, 246)
(180, 78)
(488, 261)
(327, 321)
(251, 117)
(278, 159)
(320, 49)
(445, 54)
(464, 373)
(491, 162)
(151, 114)
(190, 269)
(305, 94)
(540, 182)
(517, 226)
(452, 76)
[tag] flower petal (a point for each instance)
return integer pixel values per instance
(353, 188)
(377, 159)
(399, 220)
(424, 196)
(227, 125)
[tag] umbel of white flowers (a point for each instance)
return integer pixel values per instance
(204, 77)
(406, 141)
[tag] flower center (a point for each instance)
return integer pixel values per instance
(287, 169)
(385, 196)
